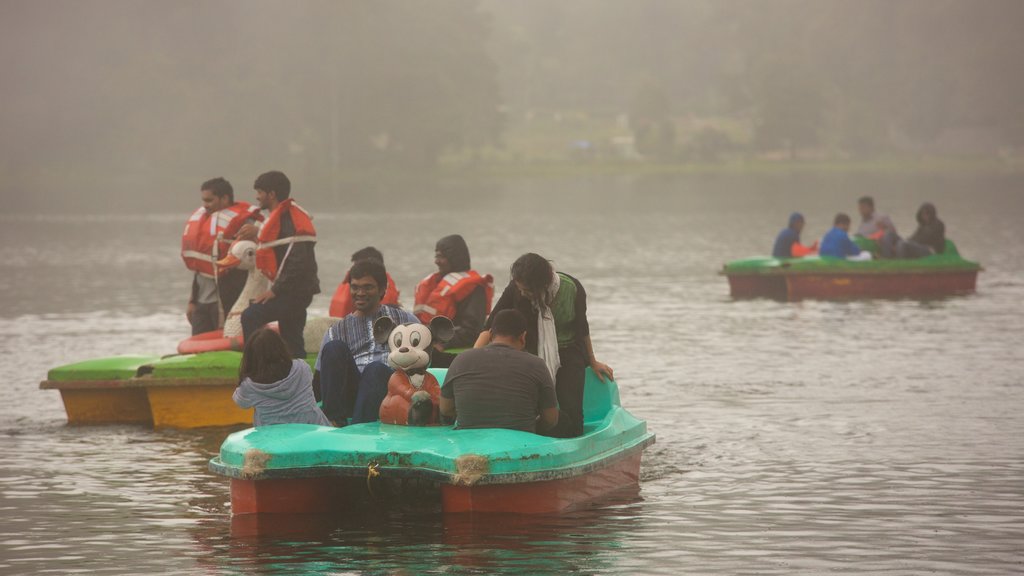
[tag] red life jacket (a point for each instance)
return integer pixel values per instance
(266, 259)
(341, 303)
(438, 295)
(208, 236)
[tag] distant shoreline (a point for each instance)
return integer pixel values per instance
(752, 166)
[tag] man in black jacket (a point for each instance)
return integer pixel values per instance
(286, 256)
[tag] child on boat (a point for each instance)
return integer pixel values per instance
(278, 387)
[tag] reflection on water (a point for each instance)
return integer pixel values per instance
(807, 437)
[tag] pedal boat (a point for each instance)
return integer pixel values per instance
(179, 391)
(813, 277)
(304, 469)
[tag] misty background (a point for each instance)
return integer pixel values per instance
(128, 105)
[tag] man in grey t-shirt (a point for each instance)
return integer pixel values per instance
(872, 225)
(501, 385)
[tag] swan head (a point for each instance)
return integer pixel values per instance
(242, 254)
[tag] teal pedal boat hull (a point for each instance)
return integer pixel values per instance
(299, 469)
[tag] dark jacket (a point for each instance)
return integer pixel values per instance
(931, 233)
(298, 275)
(511, 298)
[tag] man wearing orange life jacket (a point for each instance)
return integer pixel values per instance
(457, 292)
(341, 303)
(285, 255)
(208, 234)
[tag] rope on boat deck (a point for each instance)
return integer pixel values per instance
(372, 471)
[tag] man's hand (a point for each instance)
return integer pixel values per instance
(190, 310)
(247, 232)
(602, 370)
(268, 295)
(438, 346)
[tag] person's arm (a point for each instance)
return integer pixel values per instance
(503, 303)
(447, 403)
(483, 339)
(447, 408)
(242, 400)
(600, 368)
(851, 247)
(547, 400)
(470, 315)
(583, 332)
(191, 308)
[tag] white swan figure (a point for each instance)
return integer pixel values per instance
(242, 255)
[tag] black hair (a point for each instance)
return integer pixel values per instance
(265, 358)
(370, 267)
(841, 218)
(867, 200)
(509, 323)
(274, 181)
(533, 271)
(454, 248)
(368, 253)
(220, 188)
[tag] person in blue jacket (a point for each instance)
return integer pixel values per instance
(787, 243)
(837, 243)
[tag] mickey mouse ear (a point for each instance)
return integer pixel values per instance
(442, 329)
(382, 328)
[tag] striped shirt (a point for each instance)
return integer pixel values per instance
(357, 333)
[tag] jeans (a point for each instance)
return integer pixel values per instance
(346, 392)
(205, 318)
(290, 313)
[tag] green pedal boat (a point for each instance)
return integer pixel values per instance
(300, 468)
(813, 277)
(179, 391)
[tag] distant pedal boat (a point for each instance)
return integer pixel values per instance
(302, 469)
(813, 277)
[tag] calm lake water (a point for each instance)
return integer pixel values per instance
(816, 437)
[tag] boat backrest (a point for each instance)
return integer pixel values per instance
(950, 249)
(598, 396)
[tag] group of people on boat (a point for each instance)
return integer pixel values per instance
(929, 238)
(523, 361)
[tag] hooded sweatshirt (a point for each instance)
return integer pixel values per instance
(287, 401)
(933, 233)
(471, 312)
(789, 236)
(456, 251)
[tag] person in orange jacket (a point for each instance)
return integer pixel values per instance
(341, 303)
(209, 232)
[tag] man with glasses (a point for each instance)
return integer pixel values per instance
(352, 368)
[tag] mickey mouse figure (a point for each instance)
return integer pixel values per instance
(413, 393)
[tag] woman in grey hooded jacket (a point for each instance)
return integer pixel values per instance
(278, 387)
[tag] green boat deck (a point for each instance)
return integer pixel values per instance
(440, 453)
(950, 260)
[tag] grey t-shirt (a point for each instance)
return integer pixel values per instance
(499, 387)
(875, 223)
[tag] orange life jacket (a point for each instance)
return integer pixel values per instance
(341, 303)
(208, 236)
(438, 295)
(266, 259)
(798, 250)
(395, 407)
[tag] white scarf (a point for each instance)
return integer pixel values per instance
(547, 337)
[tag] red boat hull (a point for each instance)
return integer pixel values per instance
(317, 495)
(853, 286)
